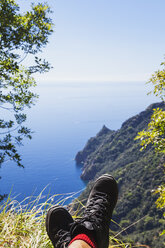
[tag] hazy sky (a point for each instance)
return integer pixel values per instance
(105, 40)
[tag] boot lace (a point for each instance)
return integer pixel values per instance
(62, 239)
(96, 211)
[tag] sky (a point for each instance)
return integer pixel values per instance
(104, 40)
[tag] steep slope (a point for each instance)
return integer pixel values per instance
(138, 174)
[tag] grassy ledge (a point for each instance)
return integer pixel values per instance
(22, 224)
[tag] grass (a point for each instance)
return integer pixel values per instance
(22, 225)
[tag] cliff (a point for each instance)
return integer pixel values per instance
(138, 174)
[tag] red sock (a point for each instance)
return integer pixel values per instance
(86, 238)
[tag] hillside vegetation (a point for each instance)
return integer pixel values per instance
(138, 174)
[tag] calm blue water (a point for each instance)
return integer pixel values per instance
(65, 117)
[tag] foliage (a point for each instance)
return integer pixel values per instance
(158, 81)
(155, 133)
(161, 200)
(22, 37)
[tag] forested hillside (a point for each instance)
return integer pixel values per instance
(138, 174)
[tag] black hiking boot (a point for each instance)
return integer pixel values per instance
(58, 222)
(98, 212)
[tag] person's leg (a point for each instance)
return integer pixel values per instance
(93, 229)
(87, 239)
(58, 222)
(97, 216)
(79, 244)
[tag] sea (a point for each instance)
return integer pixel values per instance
(64, 117)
